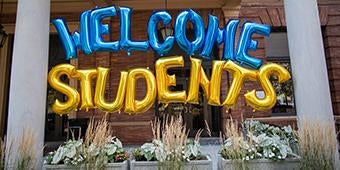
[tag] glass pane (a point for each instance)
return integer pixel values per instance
(284, 94)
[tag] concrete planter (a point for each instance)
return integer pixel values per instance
(261, 164)
(154, 165)
(111, 166)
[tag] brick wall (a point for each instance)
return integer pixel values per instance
(136, 129)
(272, 12)
(332, 49)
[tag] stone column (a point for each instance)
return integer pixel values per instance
(311, 86)
(27, 102)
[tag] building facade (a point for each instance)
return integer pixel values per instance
(136, 129)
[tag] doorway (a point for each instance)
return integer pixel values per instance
(5, 77)
(195, 116)
(55, 125)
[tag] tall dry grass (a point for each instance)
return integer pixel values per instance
(173, 134)
(232, 132)
(97, 134)
(2, 154)
(27, 154)
(25, 158)
(317, 146)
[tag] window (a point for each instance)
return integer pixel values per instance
(277, 51)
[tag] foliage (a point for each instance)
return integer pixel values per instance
(98, 149)
(172, 145)
(285, 134)
(156, 151)
(71, 153)
(258, 141)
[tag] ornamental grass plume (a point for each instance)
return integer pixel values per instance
(256, 140)
(171, 139)
(27, 154)
(171, 146)
(232, 132)
(2, 154)
(98, 132)
(317, 146)
(96, 137)
(174, 136)
(98, 149)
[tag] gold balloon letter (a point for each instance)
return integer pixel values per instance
(240, 74)
(270, 99)
(197, 77)
(72, 95)
(85, 77)
(137, 106)
(215, 83)
(99, 97)
(164, 80)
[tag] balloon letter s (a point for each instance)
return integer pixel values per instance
(72, 95)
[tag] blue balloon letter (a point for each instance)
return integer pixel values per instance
(229, 40)
(85, 33)
(213, 34)
(66, 38)
(161, 49)
(246, 43)
(97, 29)
(180, 31)
(125, 38)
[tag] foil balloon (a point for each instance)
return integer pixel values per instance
(270, 95)
(99, 98)
(97, 29)
(197, 78)
(85, 43)
(132, 105)
(229, 40)
(71, 93)
(125, 35)
(213, 36)
(245, 43)
(164, 80)
(215, 83)
(180, 31)
(65, 38)
(85, 77)
(239, 74)
(160, 48)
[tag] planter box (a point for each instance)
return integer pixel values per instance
(261, 164)
(111, 166)
(154, 165)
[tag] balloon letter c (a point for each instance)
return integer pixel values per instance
(161, 49)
